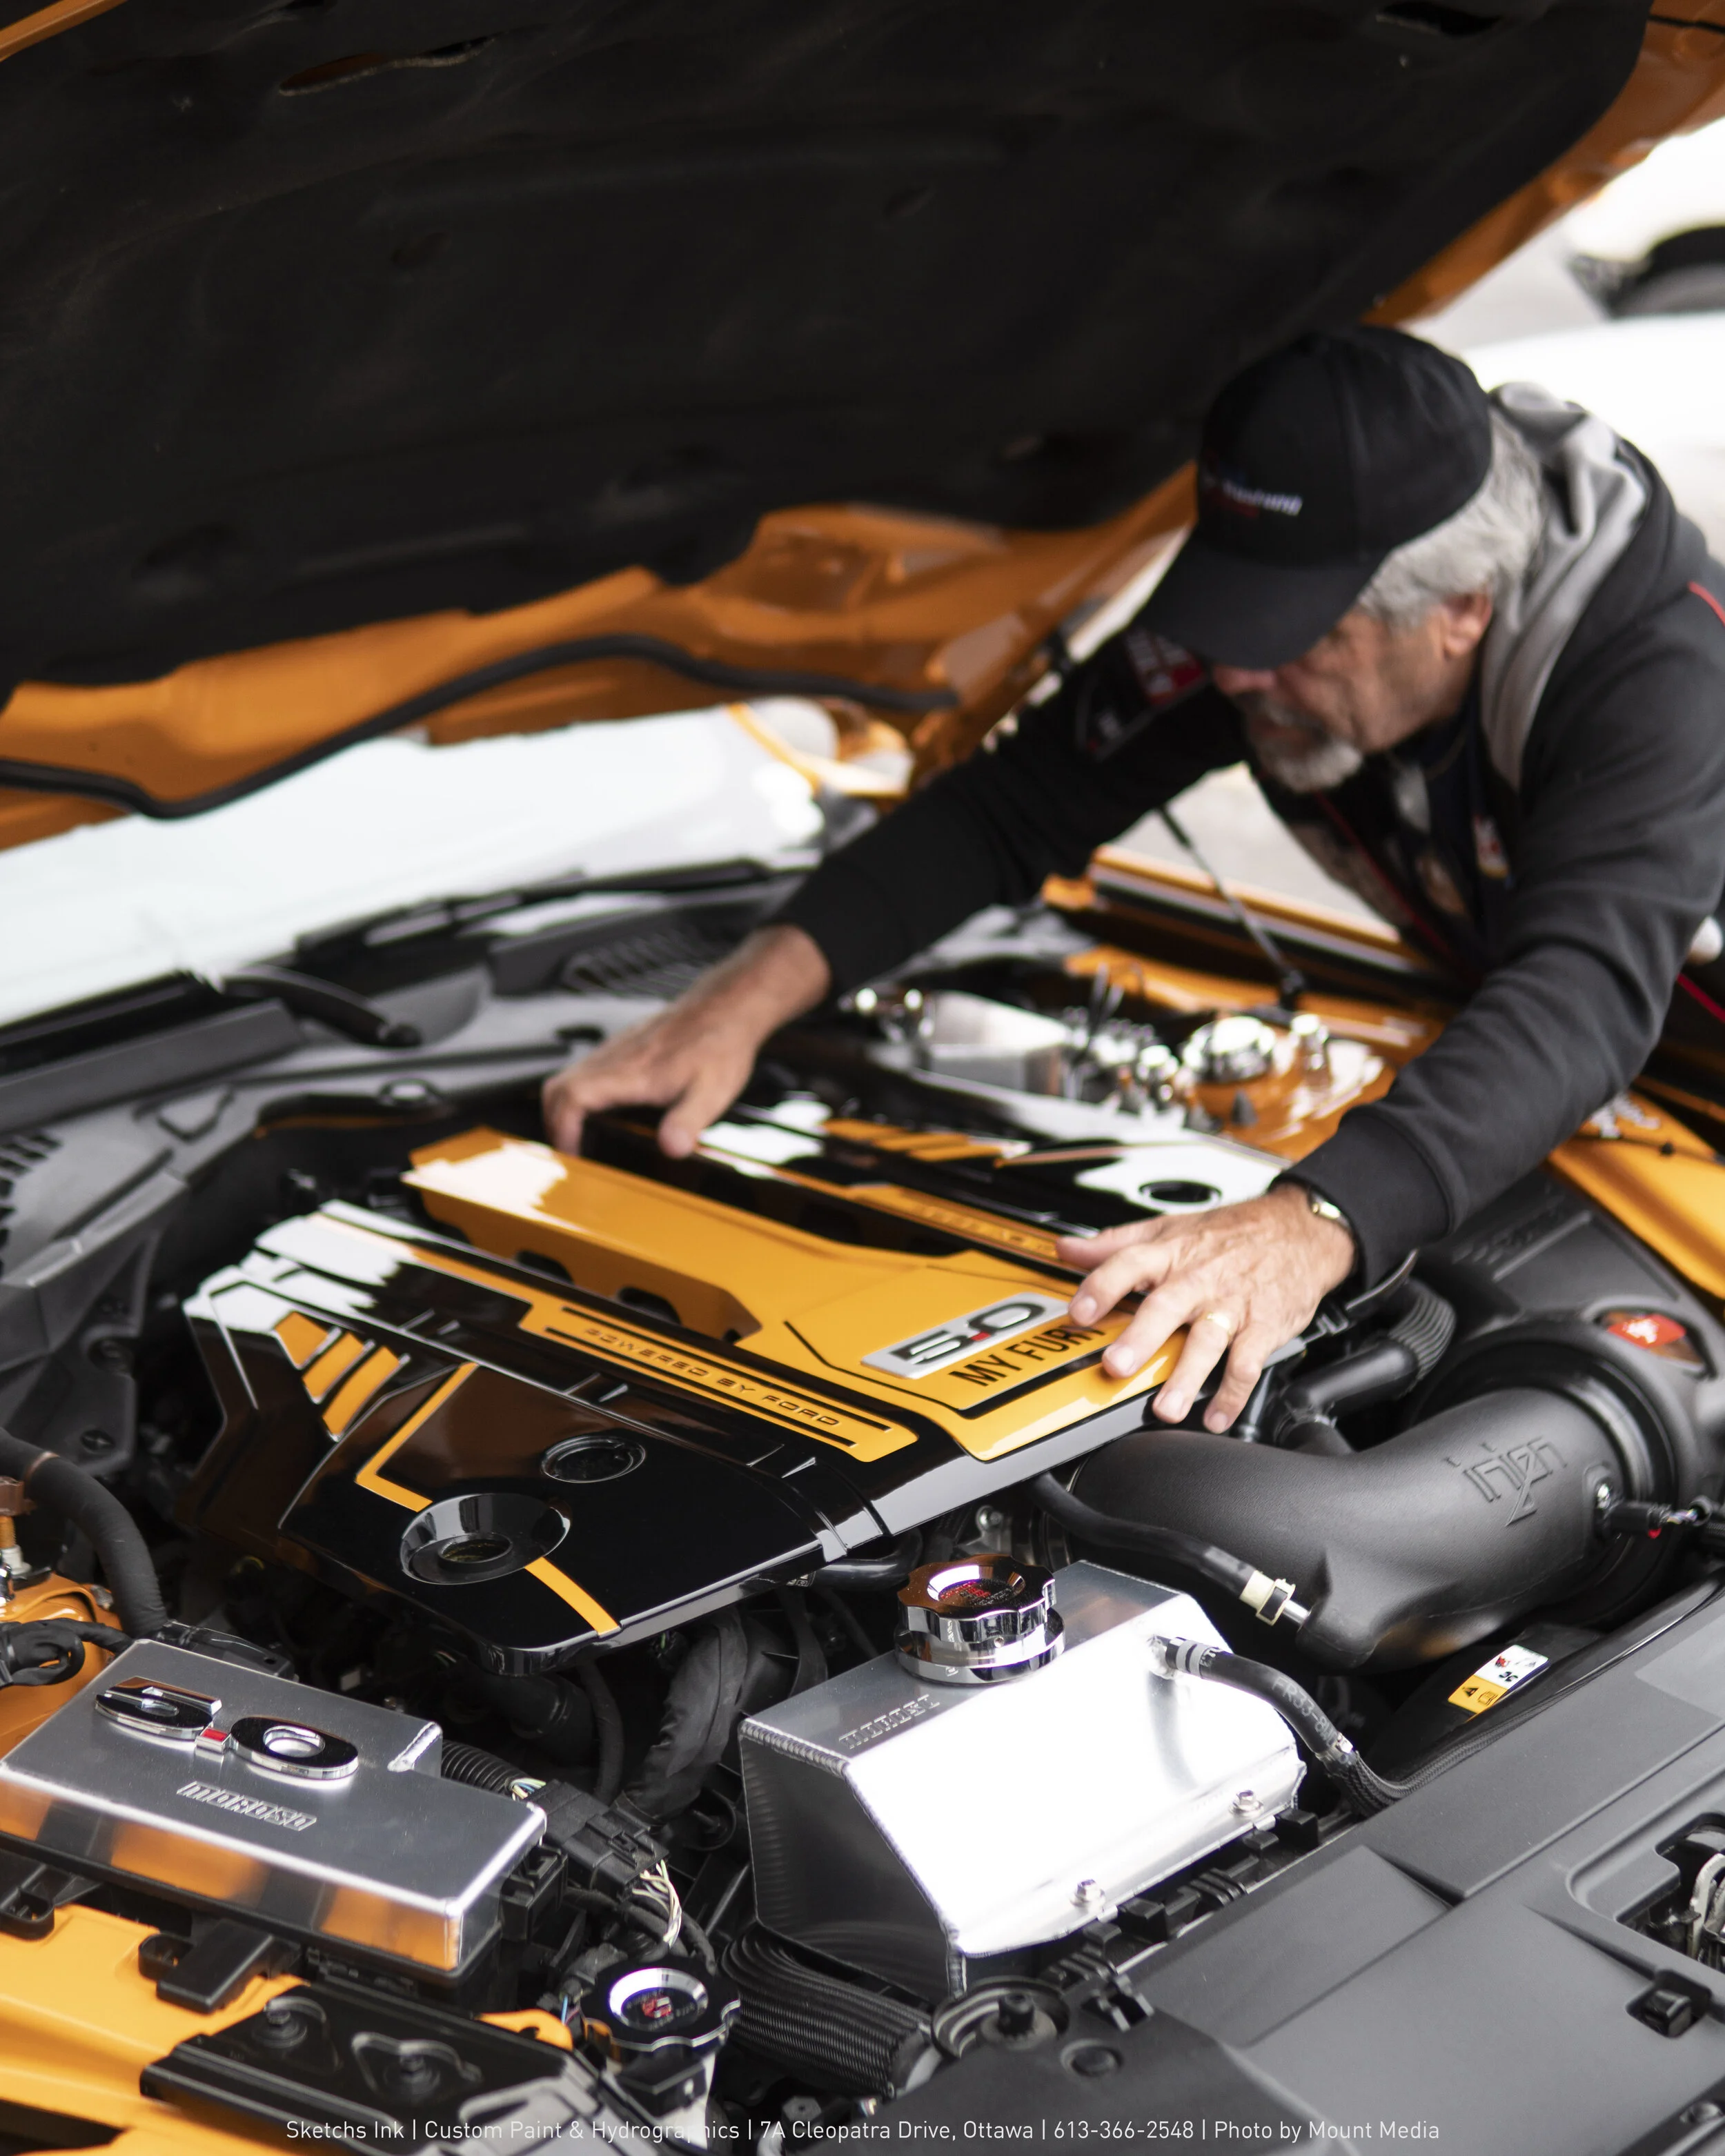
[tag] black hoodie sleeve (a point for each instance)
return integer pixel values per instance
(1122, 736)
(1620, 857)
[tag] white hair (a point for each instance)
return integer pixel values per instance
(1489, 545)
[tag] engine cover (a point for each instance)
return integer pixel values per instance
(725, 1385)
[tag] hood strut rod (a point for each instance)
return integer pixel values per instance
(1290, 982)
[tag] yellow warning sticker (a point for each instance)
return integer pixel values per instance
(1502, 1674)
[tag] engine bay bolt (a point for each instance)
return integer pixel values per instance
(1311, 1038)
(408, 1093)
(1016, 2014)
(1248, 1803)
(989, 1519)
(281, 2027)
(13, 1501)
(1088, 1895)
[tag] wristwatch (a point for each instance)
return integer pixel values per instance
(1317, 1204)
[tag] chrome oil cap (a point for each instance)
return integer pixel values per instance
(1230, 1051)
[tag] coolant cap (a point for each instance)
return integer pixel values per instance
(977, 1620)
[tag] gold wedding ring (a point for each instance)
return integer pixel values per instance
(1216, 1317)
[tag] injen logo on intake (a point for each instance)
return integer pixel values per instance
(1511, 1473)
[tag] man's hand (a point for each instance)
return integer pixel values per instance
(694, 1057)
(1244, 1280)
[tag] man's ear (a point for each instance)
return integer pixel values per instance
(1462, 621)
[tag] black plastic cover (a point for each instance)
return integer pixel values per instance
(318, 314)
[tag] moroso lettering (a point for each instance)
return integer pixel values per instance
(251, 1808)
(883, 1725)
(1511, 1473)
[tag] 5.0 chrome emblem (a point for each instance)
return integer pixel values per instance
(960, 1337)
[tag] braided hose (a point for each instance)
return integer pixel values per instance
(837, 2035)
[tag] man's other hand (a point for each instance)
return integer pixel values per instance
(695, 1057)
(1244, 1280)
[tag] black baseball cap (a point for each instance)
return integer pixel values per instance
(1316, 463)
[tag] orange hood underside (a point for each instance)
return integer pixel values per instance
(945, 615)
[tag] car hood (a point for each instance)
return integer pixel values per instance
(320, 314)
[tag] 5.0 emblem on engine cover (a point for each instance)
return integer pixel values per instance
(934, 1350)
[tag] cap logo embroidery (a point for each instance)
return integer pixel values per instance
(1229, 491)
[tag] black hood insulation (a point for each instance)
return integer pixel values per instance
(324, 312)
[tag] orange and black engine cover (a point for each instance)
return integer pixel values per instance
(707, 1396)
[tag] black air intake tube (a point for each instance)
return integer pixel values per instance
(1405, 1553)
(121, 1549)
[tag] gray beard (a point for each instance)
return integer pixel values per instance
(1313, 765)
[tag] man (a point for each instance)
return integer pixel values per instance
(1477, 662)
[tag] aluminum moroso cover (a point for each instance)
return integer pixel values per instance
(297, 1809)
(911, 1829)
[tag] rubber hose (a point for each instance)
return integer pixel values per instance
(1382, 1369)
(607, 1726)
(548, 1711)
(479, 1769)
(1365, 1791)
(1371, 1792)
(811, 1659)
(892, 1569)
(1386, 1366)
(123, 1553)
(1161, 1545)
(838, 2036)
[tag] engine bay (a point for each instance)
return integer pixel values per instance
(701, 1648)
